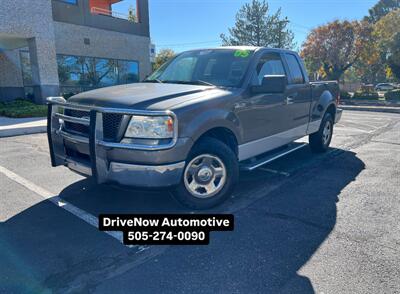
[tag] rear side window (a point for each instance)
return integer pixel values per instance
(295, 69)
(270, 64)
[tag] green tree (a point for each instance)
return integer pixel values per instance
(387, 33)
(132, 14)
(333, 48)
(382, 8)
(255, 26)
(162, 57)
(369, 66)
(372, 66)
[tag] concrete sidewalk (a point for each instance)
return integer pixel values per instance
(389, 109)
(22, 126)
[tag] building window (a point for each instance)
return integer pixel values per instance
(26, 68)
(78, 73)
(128, 72)
(106, 72)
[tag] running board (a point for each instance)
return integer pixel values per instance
(254, 163)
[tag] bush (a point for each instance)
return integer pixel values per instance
(345, 95)
(22, 108)
(68, 95)
(365, 95)
(393, 95)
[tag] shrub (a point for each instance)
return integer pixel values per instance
(68, 95)
(22, 108)
(393, 95)
(365, 95)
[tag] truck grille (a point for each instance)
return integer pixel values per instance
(74, 127)
(111, 124)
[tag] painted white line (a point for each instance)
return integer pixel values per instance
(58, 201)
(354, 129)
(274, 171)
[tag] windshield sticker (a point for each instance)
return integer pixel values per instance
(242, 53)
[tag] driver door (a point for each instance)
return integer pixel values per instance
(264, 116)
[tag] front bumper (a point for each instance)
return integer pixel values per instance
(149, 176)
(124, 164)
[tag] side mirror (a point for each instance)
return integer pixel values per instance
(271, 84)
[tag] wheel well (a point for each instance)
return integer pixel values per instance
(332, 110)
(224, 135)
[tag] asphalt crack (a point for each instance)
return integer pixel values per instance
(385, 142)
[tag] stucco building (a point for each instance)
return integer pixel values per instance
(53, 47)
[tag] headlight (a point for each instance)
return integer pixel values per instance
(150, 127)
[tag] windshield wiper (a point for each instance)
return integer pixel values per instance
(201, 82)
(196, 82)
(153, 81)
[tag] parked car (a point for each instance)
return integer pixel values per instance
(195, 122)
(384, 87)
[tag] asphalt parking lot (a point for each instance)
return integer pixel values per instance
(303, 224)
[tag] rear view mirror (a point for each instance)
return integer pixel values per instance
(271, 84)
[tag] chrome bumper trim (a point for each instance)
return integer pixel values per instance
(133, 174)
(146, 175)
(132, 146)
(78, 167)
(72, 137)
(72, 119)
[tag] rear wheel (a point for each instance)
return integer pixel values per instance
(209, 176)
(319, 141)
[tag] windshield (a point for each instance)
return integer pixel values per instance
(218, 67)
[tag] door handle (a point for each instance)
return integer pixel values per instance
(289, 100)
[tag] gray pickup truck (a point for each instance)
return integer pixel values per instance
(195, 122)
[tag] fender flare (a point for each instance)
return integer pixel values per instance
(211, 119)
(325, 101)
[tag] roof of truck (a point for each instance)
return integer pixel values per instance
(253, 48)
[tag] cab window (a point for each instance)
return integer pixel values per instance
(295, 69)
(269, 64)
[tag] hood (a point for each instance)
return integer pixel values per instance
(142, 96)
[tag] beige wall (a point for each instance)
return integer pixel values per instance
(106, 44)
(33, 21)
(10, 69)
(23, 20)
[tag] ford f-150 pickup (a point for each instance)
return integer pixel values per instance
(195, 122)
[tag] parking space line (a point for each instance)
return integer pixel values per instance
(356, 129)
(58, 201)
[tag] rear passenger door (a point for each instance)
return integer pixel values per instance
(298, 95)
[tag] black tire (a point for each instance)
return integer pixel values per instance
(318, 141)
(219, 150)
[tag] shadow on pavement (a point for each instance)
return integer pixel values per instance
(46, 249)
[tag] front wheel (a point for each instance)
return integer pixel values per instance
(319, 141)
(209, 177)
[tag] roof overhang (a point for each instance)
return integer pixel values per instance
(9, 42)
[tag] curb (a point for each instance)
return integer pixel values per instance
(22, 131)
(371, 108)
(10, 127)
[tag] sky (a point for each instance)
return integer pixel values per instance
(189, 24)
